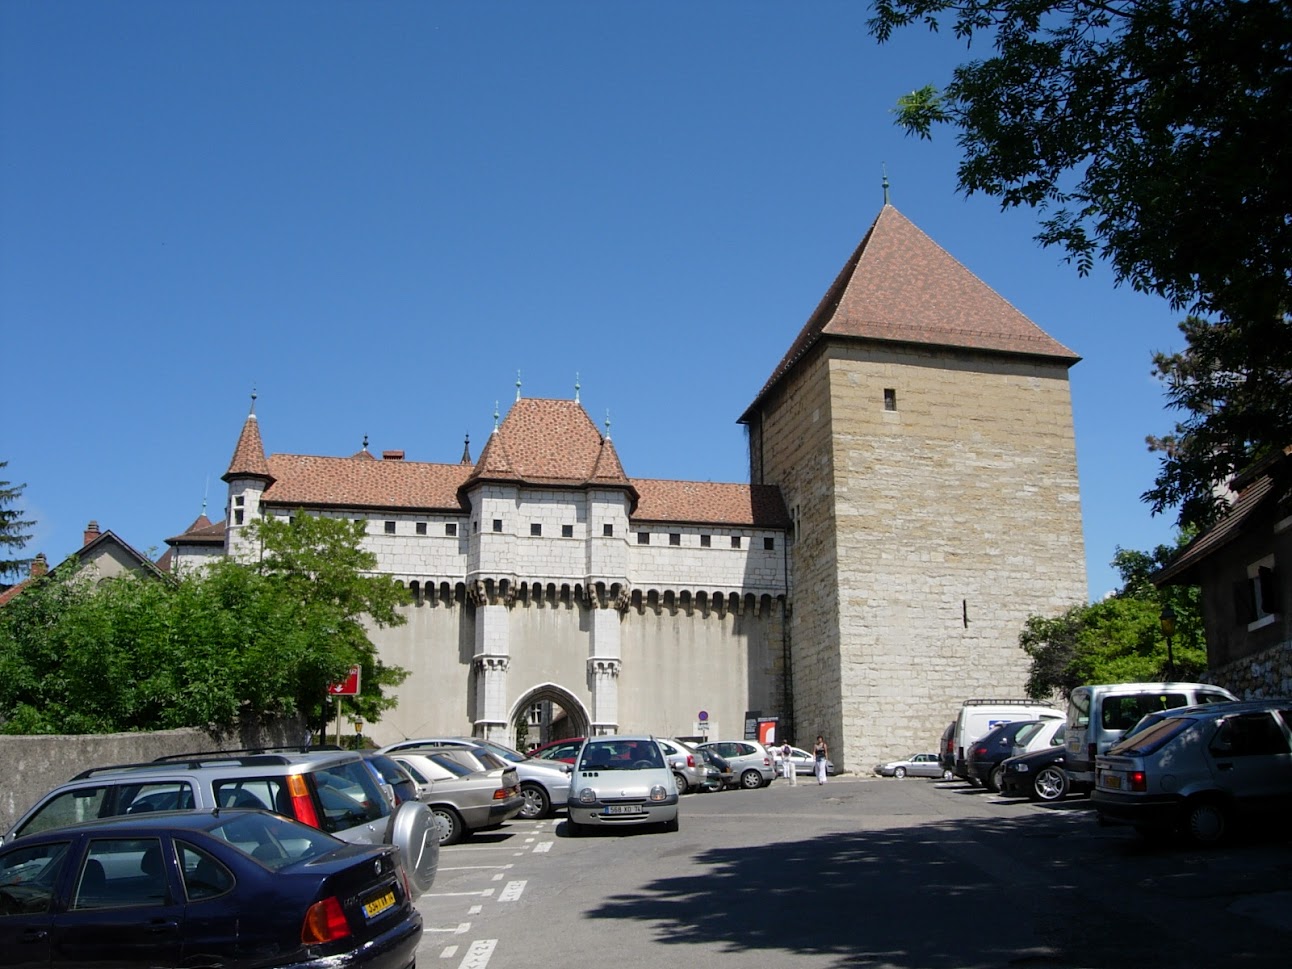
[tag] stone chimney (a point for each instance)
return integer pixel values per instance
(392, 455)
(39, 566)
(91, 533)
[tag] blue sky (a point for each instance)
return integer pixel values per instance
(375, 214)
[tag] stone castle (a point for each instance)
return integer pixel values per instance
(913, 498)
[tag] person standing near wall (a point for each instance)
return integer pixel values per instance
(820, 754)
(787, 764)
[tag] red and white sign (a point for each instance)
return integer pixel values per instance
(347, 687)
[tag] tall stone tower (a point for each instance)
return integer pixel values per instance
(920, 430)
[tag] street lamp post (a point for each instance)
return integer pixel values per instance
(1167, 619)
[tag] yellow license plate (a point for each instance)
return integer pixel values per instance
(1111, 781)
(379, 905)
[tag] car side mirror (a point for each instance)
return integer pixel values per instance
(567, 768)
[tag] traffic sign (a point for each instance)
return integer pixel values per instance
(347, 687)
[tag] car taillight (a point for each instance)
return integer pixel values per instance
(502, 794)
(1137, 780)
(302, 803)
(980, 751)
(690, 761)
(324, 922)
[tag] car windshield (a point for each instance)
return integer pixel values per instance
(501, 751)
(620, 755)
(1027, 732)
(1151, 738)
(272, 840)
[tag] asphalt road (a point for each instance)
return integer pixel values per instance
(858, 873)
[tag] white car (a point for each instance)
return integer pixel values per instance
(621, 782)
(916, 765)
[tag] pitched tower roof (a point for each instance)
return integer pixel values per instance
(899, 286)
(549, 442)
(249, 456)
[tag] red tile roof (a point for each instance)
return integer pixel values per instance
(307, 481)
(709, 503)
(201, 532)
(901, 286)
(249, 456)
(549, 442)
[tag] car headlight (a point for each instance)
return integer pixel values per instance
(658, 793)
(1020, 768)
(587, 796)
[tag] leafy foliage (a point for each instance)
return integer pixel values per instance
(12, 528)
(231, 641)
(1151, 134)
(1119, 639)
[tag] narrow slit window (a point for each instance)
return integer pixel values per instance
(608, 530)
(890, 398)
(769, 543)
(497, 524)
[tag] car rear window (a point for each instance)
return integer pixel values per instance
(1152, 738)
(1123, 712)
(349, 795)
(272, 840)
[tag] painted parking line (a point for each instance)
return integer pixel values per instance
(475, 910)
(512, 892)
(449, 952)
(460, 929)
(476, 867)
(478, 954)
(543, 846)
(486, 893)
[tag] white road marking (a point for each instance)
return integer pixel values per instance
(475, 909)
(512, 892)
(478, 954)
(476, 867)
(486, 893)
(458, 929)
(449, 952)
(543, 846)
(498, 877)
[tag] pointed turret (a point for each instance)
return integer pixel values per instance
(249, 456)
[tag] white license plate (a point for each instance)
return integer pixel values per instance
(1111, 781)
(622, 809)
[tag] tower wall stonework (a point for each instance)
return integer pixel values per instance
(955, 516)
(792, 448)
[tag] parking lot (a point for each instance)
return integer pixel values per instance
(860, 872)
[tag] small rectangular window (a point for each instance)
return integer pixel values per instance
(769, 544)
(238, 501)
(475, 527)
(643, 538)
(890, 398)
(567, 531)
(608, 530)
(706, 541)
(237, 516)
(390, 528)
(674, 538)
(735, 541)
(535, 529)
(420, 528)
(451, 529)
(497, 524)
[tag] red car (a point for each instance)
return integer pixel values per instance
(565, 750)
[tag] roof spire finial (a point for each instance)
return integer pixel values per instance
(495, 417)
(205, 489)
(607, 423)
(466, 449)
(576, 386)
(518, 385)
(884, 167)
(365, 442)
(253, 401)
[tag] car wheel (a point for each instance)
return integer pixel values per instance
(673, 824)
(948, 774)
(899, 772)
(994, 778)
(751, 780)
(537, 803)
(1050, 784)
(1205, 822)
(449, 824)
(682, 785)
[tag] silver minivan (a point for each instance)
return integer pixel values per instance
(1100, 713)
(1200, 769)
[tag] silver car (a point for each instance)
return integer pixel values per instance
(543, 785)
(690, 773)
(748, 758)
(916, 765)
(621, 782)
(463, 799)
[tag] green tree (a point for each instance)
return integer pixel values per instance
(228, 642)
(1118, 639)
(13, 534)
(319, 564)
(1151, 134)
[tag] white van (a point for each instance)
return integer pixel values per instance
(1098, 715)
(978, 717)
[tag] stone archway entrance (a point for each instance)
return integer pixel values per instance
(547, 712)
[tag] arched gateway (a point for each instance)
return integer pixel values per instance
(547, 712)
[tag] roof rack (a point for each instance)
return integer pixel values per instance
(1015, 700)
(253, 760)
(221, 754)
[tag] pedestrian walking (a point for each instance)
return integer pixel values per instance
(787, 764)
(820, 754)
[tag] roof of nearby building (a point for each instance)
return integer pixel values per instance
(96, 542)
(709, 503)
(202, 532)
(899, 286)
(1255, 487)
(248, 459)
(311, 481)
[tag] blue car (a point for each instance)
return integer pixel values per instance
(225, 887)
